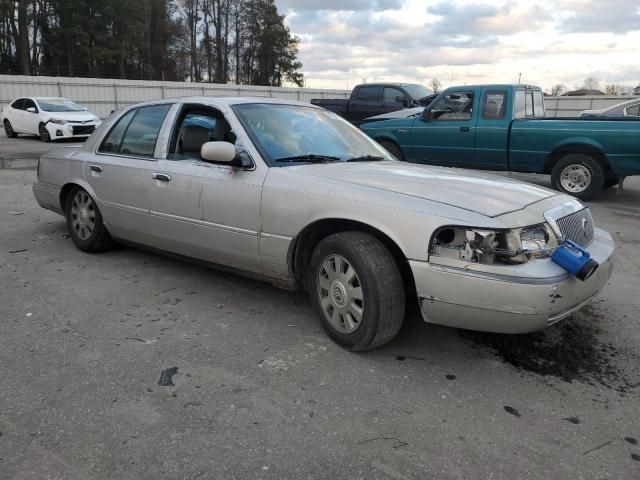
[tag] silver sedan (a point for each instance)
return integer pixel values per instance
(294, 195)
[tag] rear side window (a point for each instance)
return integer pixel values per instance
(528, 104)
(28, 103)
(136, 133)
(113, 141)
(17, 104)
(369, 93)
(493, 106)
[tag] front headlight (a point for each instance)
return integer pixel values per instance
(58, 121)
(477, 245)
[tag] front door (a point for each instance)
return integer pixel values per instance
(448, 137)
(121, 172)
(205, 210)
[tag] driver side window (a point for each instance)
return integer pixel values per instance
(453, 106)
(195, 127)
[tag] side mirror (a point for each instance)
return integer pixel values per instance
(31, 109)
(426, 115)
(220, 152)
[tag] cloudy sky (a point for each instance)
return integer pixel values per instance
(466, 41)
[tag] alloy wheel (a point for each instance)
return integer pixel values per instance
(575, 178)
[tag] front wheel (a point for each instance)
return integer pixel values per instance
(44, 133)
(357, 290)
(84, 221)
(393, 149)
(8, 129)
(579, 175)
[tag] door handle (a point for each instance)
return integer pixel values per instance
(465, 129)
(95, 168)
(163, 177)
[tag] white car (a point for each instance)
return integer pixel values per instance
(51, 118)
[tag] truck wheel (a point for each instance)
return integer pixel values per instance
(578, 175)
(84, 221)
(357, 290)
(393, 149)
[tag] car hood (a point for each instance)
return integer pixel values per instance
(486, 194)
(405, 113)
(72, 116)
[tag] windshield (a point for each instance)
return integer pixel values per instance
(290, 131)
(59, 105)
(417, 91)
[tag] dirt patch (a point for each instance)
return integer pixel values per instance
(570, 351)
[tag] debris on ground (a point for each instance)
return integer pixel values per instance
(166, 377)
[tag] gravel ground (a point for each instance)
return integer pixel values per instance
(260, 392)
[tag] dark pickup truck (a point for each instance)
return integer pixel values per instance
(377, 98)
(503, 127)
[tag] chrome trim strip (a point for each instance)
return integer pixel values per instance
(501, 278)
(204, 223)
(125, 207)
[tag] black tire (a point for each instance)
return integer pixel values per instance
(393, 149)
(8, 129)
(44, 133)
(99, 239)
(587, 189)
(380, 283)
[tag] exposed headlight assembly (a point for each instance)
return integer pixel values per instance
(478, 245)
(58, 121)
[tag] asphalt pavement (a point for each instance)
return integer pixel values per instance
(260, 392)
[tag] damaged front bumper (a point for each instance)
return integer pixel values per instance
(508, 299)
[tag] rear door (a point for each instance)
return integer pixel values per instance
(492, 131)
(121, 171)
(366, 103)
(448, 137)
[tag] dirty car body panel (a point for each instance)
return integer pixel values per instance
(253, 218)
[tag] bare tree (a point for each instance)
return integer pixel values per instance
(558, 90)
(612, 89)
(435, 85)
(591, 83)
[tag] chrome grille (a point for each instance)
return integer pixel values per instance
(577, 227)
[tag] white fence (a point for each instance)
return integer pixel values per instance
(102, 96)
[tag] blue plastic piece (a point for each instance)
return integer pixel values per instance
(575, 259)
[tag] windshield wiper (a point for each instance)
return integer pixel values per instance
(311, 158)
(365, 158)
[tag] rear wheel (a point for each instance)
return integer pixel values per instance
(357, 290)
(44, 133)
(579, 175)
(85, 224)
(393, 149)
(8, 129)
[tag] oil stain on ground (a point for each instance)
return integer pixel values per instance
(570, 350)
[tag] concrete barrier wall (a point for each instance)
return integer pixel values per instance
(101, 96)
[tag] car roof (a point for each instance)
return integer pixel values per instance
(626, 104)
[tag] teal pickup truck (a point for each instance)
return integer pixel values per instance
(503, 127)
